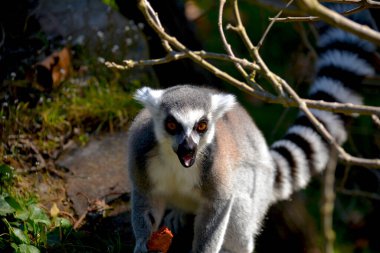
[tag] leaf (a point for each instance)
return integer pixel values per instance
(22, 214)
(6, 172)
(37, 215)
(54, 210)
(18, 235)
(62, 222)
(25, 248)
(13, 203)
(5, 208)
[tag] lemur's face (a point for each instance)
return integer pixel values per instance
(189, 131)
(185, 118)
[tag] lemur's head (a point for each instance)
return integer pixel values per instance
(185, 117)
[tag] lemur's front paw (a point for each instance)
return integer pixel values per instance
(140, 246)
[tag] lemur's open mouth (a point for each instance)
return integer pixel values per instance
(186, 152)
(187, 160)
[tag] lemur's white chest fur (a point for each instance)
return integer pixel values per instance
(178, 185)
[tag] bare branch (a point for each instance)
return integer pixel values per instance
(357, 193)
(226, 45)
(328, 203)
(154, 16)
(173, 56)
(343, 155)
(280, 84)
(254, 51)
(361, 5)
(331, 17)
(240, 29)
(198, 59)
(271, 23)
(376, 120)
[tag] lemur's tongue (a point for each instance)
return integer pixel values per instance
(188, 160)
(186, 152)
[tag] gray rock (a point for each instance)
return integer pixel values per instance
(97, 171)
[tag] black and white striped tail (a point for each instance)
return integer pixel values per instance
(344, 60)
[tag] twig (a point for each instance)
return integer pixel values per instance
(369, 3)
(254, 51)
(331, 17)
(202, 62)
(240, 29)
(276, 81)
(78, 223)
(362, 5)
(295, 19)
(269, 75)
(226, 45)
(271, 23)
(2, 36)
(153, 14)
(305, 41)
(229, 51)
(343, 155)
(68, 215)
(173, 56)
(345, 176)
(358, 193)
(376, 120)
(41, 160)
(328, 202)
(347, 109)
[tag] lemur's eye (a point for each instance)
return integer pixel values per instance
(202, 126)
(171, 125)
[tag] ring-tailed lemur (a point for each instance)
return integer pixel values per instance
(197, 150)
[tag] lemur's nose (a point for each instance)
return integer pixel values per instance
(186, 152)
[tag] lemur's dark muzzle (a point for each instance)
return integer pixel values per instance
(186, 152)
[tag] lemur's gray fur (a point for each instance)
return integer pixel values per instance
(196, 150)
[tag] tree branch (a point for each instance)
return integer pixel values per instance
(328, 203)
(292, 100)
(331, 17)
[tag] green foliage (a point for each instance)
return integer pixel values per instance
(24, 226)
(111, 3)
(96, 106)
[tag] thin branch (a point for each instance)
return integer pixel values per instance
(277, 82)
(368, 3)
(295, 19)
(357, 193)
(254, 51)
(328, 203)
(227, 46)
(361, 5)
(271, 23)
(154, 15)
(345, 108)
(269, 75)
(240, 29)
(376, 120)
(198, 59)
(173, 56)
(331, 17)
(305, 40)
(343, 155)
(335, 107)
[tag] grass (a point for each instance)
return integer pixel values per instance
(32, 138)
(24, 225)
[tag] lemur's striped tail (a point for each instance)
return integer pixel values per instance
(344, 60)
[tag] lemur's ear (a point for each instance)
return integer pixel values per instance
(150, 98)
(221, 103)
